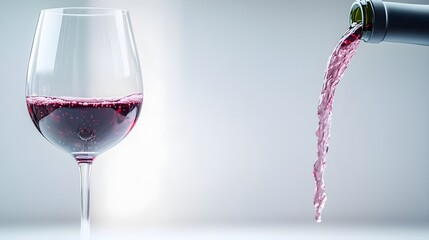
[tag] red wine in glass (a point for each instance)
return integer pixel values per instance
(84, 127)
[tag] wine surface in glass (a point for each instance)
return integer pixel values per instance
(84, 127)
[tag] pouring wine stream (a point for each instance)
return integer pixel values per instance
(337, 64)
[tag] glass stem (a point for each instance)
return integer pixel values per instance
(85, 171)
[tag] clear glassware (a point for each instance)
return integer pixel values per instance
(84, 88)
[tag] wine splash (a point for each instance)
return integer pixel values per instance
(337, 64)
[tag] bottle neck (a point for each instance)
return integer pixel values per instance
(372, 15)
(391, 21)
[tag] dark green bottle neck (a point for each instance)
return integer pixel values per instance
(361, 12)
(391, 21)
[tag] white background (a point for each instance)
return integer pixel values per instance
(226, 135)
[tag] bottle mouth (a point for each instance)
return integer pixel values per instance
(356, 14)
(361, 12)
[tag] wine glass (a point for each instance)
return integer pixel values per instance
(84, 88)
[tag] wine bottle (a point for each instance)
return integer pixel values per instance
(391, 21)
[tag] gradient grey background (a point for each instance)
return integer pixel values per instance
(227, 130)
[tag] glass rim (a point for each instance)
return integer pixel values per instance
(85, 11)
